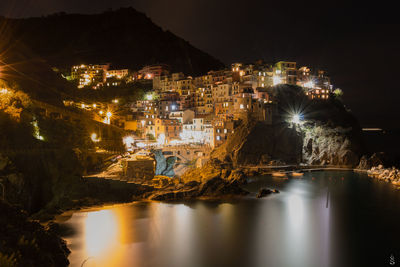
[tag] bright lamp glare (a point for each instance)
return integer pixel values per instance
(296, 118)
(276, 80)
(309, 84)
(94, 137)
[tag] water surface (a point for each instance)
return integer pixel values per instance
(323, 219)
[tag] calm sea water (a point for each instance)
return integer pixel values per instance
(323, 219)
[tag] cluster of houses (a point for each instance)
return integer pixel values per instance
(98, 75)
(205, 109)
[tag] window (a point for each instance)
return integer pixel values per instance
(241, 106)
(218, 137)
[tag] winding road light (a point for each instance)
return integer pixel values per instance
(108, 114)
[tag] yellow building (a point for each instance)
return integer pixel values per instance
(285, 72)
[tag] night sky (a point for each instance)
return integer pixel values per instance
(358, 44)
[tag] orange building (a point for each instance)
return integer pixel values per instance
(167, 128)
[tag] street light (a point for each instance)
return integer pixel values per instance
(95, 138)
(296, 118)
(276, 80)
(149, 97)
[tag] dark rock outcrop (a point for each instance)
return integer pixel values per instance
(375, 160)
(265, 191)
(27, 243)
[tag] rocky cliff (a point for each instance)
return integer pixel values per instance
(255, 143)
(325, 144)
(327, 134)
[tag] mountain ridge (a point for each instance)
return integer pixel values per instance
(125, 37)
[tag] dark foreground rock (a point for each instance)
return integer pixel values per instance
(265, 192)
(27, 243)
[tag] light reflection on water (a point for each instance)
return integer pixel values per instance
(293, 228)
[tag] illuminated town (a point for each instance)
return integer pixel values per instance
(194, 110)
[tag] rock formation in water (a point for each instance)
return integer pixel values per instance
(213, 180)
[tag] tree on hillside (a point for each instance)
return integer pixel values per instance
(12, 100)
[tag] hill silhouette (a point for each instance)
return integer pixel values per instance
(125, 37)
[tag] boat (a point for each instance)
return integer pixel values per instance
(278, 174)
(297, 174)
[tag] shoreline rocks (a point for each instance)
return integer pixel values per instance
(215, 187)
(391, 175)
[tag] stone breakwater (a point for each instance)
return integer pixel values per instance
(391, 175)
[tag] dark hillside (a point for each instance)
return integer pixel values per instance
(126, 38)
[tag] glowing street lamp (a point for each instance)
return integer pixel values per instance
(309, 84)
(276, 80)
(296, 119)
(95, 138)
(149, 97)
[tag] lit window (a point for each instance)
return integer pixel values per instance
(241, 106)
